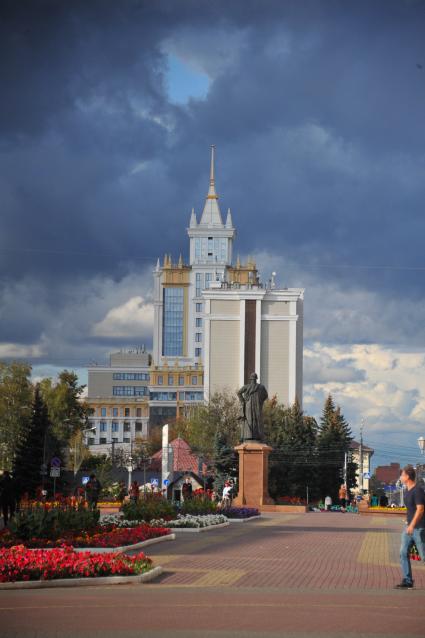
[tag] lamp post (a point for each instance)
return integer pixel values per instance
(421, 443)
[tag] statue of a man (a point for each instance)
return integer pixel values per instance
(252, 396)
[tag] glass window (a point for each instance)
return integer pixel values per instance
(130, 376)
(172, 322)
(194, 396)
(198, 284)
(163, 396)
(139, 426)
(138, 411)
(91, 442)
(198, 352)
(129, 391)
(223, 256)
(198, 337)
(198, 322)
(114, 411)
(127, 426)
(102, 411)
(197, 248)
(103, 426)
(126, 411)
(208, 279)
(115, 440)
(126, 440)
(181, 396)
(102, 440)
(181, 379)
(195, 380)
(198, 307)
(170, 379)
(115, 426)
(160, 379)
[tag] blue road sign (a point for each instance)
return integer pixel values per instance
(55, 462)
(154, 482)
(166, 481)
(85, 480)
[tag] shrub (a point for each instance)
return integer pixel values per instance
(153, 506)
(42, 521)
(198, 505)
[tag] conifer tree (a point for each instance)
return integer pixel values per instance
(333, 443)
(31, 452)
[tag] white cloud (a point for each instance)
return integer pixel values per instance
(134, 318)
(20, 351)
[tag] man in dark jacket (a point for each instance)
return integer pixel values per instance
(93, 489)
(7, 497)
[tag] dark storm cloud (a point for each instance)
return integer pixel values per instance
(316, 109)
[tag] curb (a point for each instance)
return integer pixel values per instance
(115, 550)
(197, 530)
(243, 520)
(85, 582)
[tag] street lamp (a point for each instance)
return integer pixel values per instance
(421, 443)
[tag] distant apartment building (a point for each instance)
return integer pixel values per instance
(119, 396)
(361, 455)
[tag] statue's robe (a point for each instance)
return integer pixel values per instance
(252, 397)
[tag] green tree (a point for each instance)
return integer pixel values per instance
(224, 460)
(332, 444)
(31, 451)
(293, 466)
(16, 396)
(68, 413)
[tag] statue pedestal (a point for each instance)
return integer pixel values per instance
(253, 475)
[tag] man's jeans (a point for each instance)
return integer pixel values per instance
(406, 541)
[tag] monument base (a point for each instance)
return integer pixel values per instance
(253, 475)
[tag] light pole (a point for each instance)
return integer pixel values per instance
(421, 443)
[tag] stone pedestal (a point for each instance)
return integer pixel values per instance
(253, 475)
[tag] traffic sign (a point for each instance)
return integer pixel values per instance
(154, 482)
(166, 481)
(366, 475)
(85, 480)
(55, 472)
(55, 462)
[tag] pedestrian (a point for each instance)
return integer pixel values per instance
(93, 489)
(414, 499)
(342, 495)
(328, 503)
(134, 492)
(187, 489)
(7, 496)
(226, 500)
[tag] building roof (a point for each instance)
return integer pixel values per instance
(355, 445)
(184, 460)
(211, 216)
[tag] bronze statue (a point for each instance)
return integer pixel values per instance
(252, 396)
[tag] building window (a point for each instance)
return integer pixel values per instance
(198, 337)
(198, 322)
(114, 411)
(102, 440)
(115, 426)
(181, 379)
(126, 440)
(126, 411)
(163, 396)
(194, 396)
(91, 442)
(181, 396)
(130, 376)
(198, 284)
(198, 307)
(172, 326)
(194, 380)
(114, 440)
(223, 255)
(197, 248)
(102, 411)
(138, 411)
(170, 379)
(208, 279)
(160, 379)
(139, 426)
(127, 426)
(129, 391)
(198, 352)
(103, 426)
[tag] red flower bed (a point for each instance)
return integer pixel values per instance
(112, 537)
(18, 564)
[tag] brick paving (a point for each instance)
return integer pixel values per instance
(316, 574)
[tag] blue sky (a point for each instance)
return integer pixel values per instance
(316, 108)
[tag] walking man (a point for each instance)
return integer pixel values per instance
(93, 489)
(414, 498)
(7, 496)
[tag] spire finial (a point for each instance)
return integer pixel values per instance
(211, 192)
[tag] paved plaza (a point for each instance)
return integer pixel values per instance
(293, 575)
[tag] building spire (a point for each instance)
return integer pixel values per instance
(211, 193)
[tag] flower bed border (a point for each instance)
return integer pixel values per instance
(85, 582)
(244, 520)
(195, 530)
(116, 550)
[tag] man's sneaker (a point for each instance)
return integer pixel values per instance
(404, 585)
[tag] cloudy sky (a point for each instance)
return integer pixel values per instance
(317, 109)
